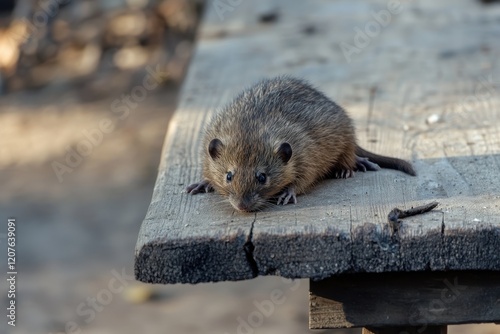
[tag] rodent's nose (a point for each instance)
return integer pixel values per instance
(243, 206)
(244, 202)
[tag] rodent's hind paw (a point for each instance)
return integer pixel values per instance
(344, 174)
(287, 195)
(363, 164)
(199, 187)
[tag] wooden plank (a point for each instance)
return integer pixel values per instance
(406, 330)
(426, 62)
(420, 300)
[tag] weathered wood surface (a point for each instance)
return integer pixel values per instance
(433, 58)
(421, 300)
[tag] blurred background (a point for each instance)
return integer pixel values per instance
(67, 71)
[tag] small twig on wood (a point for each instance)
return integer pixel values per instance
(396, 213)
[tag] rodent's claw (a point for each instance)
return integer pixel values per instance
(363, 164)
(199, 187)
(344, 174)
(360, 167)
(287, 195)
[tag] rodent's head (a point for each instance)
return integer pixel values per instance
(249, 176)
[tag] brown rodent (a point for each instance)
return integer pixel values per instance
(276, 140)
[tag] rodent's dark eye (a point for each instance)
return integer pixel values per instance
(261, 177)
(229, 176)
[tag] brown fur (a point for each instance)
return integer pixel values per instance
(251, 130)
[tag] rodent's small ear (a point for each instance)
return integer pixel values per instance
(285, 152)
(214, 148)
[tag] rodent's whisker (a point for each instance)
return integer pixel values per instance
(267, 205)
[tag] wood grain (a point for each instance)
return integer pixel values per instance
(429, 60)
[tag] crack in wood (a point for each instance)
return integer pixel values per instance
(248, 248)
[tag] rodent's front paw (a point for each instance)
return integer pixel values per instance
(287, 195)
(199, 187)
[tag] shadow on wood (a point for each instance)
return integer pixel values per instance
(406, 330)
(419, 299)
